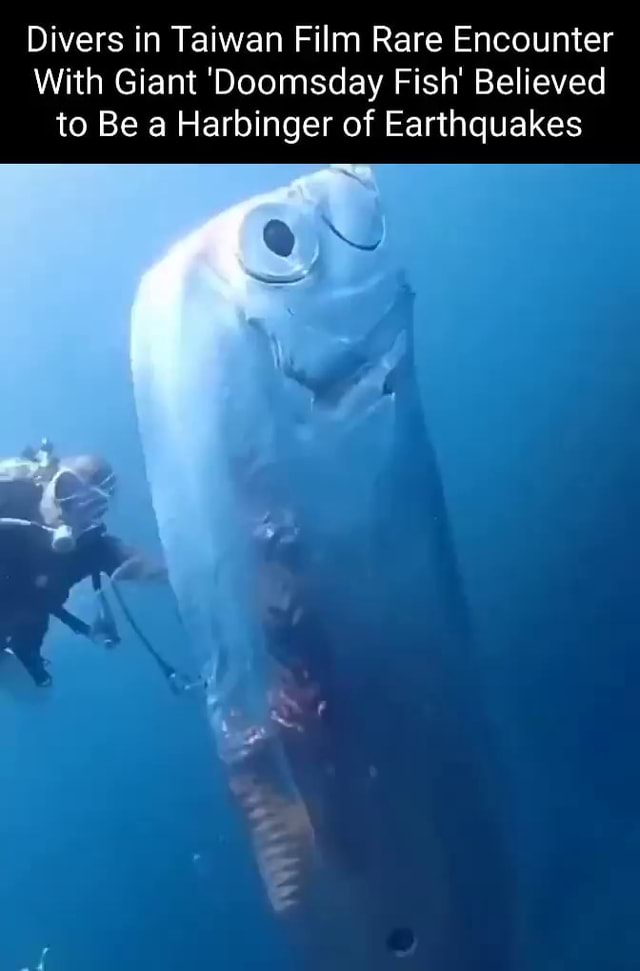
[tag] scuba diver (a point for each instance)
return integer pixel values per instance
(51, 538)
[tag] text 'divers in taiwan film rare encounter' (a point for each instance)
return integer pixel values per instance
(199, 92)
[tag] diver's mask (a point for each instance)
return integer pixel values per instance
(82, 506)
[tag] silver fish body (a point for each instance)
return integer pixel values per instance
(299, 505)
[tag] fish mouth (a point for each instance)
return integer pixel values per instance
(364, 369)
(349, 372)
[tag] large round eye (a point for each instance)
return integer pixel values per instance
(277, 243)
(362, 173)
(351, 206)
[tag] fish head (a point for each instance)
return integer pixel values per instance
(265, 343)
(309, 267)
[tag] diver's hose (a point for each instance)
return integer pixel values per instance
(170, 673)
(8, 523)
(61, 537)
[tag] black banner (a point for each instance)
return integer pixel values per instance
(439, 92)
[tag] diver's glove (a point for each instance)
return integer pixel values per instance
(138, 567)
(100, 636)
(104, 630)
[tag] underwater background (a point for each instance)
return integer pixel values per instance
(118, 846)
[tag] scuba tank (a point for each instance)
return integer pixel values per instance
(42, 456)
(21, 482)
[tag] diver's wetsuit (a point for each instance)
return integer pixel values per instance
(35, 582)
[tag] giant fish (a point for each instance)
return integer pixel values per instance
(301, 511)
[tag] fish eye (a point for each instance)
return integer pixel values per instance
(352, 209)
(277, 243)
(348, 200)
(278, 237)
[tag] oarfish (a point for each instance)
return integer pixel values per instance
(301, 511)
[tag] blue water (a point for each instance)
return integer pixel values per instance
(117, 845)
